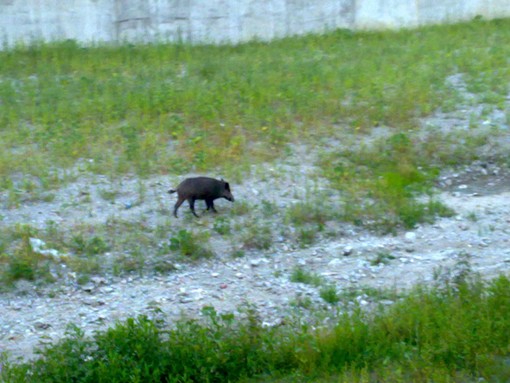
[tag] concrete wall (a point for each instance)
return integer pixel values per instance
(217, 21)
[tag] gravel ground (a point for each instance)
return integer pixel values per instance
(479, 233)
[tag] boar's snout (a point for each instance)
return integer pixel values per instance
(227, 194)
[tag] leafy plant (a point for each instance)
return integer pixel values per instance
(300, 275)
(309, 212)
(394, 175)
(441, 333)
(257, 236)
(276, 92)
(25, 263)
(189, 245)
(383, 258)
(329, 294)
(89, 247)
(222, 226)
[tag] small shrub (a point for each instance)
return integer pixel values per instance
(129, 262)
(25, 263)
(221, 225)
(258, 237)
(240, 208)
(382, 258)
(329, 294)
(85, 266)
(269, 209)
(108, 195)
(190, 245)
(472, 217)
(306, 237)
(312, 212)
(237, 253)
(164, 266)
(299, 275)
(89, 247)
(302, 302)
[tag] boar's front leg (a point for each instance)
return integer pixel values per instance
(210, 204)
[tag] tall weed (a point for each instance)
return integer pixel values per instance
(445, 334)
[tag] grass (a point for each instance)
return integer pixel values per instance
(382, 258)
(159, 108)
(381, 183)
(150, 108)
(191, 245)
(456, 332)
(328, 292)
(257, 236)
(116, 247)
(300, 275)
(173, 108)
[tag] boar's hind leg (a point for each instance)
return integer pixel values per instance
(210, 204)
(192, 206)
(177, 204)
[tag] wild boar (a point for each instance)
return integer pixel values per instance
(204, 188)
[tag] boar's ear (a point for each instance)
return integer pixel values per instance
(227, 186)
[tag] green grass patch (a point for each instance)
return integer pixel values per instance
(300, 275)
(191, 245)
(381, 183)
(150, 108)
(258, 236)
(450, 334)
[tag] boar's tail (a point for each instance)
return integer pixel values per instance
(171, 191)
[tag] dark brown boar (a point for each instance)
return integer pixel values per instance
(204, 188)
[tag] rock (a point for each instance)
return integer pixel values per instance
(98, 281)
(347, 251)
(93, 302)
(463, 226)
(89, 288)
(410, 236)
(335, 262)
(41, 325)
(37, 244)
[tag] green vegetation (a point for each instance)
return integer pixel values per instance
(156, 108)
(457, 332)
(381, 182)
(66, 110)
(329, 294)
(300, 275)
(382, 258)
(116, 247)
(150, 108)
(160, 108)
(191, 245)
(257, 236)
